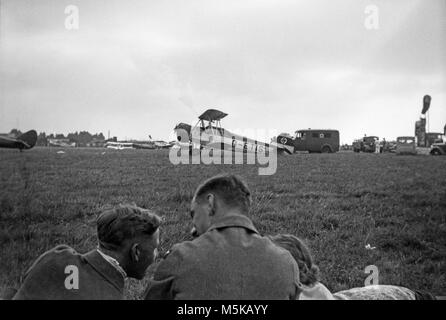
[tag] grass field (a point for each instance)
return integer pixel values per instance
(338, 203)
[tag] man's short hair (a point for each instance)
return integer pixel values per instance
(231, 188)
(125, 222)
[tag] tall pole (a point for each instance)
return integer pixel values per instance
(428, 128)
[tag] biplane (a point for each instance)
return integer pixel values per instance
(160, 144)
(23, 142)
(148, 145)
(61, 143)
(209, 133)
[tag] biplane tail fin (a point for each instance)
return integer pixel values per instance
(28, 139)
(183, 131)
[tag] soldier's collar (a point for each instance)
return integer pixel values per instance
(233, 220)
(105, 269)
(113, 262)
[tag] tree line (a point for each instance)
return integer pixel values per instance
(81, 138)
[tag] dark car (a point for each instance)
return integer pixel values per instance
(438, 149)
(366, 144)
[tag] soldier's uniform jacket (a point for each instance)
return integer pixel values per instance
(230, 261)
(49, 277)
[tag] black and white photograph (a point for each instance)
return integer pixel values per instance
(208, 150)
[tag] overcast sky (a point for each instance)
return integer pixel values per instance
(139, 67)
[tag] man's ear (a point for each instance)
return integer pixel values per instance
(134, 252)
(211, 202)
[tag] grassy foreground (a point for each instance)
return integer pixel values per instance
(338, 203)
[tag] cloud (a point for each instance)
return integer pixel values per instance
(139, 67)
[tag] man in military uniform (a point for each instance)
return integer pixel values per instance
(228, 259)
(128, 237)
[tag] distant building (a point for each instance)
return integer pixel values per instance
(96, 143)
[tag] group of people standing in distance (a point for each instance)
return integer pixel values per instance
(228, 259)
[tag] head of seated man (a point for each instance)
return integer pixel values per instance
(130, 235)
(219, 196)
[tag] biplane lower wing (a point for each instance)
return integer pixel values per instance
(225, 140)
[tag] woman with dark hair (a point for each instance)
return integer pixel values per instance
(312, 288)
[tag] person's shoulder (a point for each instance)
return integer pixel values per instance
(60, 254)
(182, 250)
(60, 251)
(186, 252)
(171, 261)
(46, 272)
(272, 248)
(281, 256)
(191, 247)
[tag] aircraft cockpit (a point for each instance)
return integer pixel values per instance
(214, 129)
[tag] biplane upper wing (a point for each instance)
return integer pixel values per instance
(212, 115)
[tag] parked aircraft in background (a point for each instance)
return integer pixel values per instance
(148, 145)
(119, 145)
(23, 142)
(62, 143)
(144, 145)
(159, 144)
